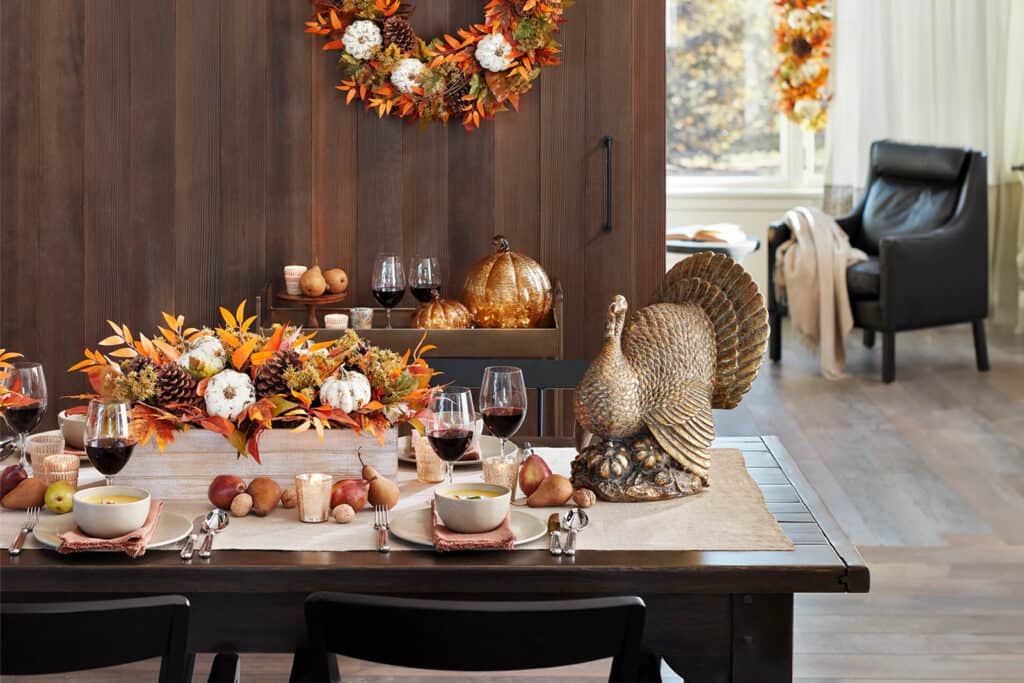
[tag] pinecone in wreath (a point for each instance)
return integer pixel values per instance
(398, 31)
(270, 377)
(136, 364)
(175, 385)
(456, 88)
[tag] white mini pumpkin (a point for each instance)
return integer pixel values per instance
(348, 391)
(205, 357)
(228, 393)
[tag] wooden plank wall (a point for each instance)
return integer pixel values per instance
(174, 155)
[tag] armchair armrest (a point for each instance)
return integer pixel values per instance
(933, 278)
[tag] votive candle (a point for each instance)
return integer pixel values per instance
(313, 491)
(292, 275)
(336, 321)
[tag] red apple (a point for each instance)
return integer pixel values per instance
(352, 492)
(532, 472)
(223, 490)
(11, 477)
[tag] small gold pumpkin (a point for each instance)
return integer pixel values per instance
(507, 289)
(442, 314)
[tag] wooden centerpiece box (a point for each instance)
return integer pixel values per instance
(187, 465)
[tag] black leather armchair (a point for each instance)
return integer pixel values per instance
(923, 221)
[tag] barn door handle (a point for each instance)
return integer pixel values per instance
(607, 227)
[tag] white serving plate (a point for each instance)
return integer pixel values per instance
(489, 447)
(170, 529)
(416, 526)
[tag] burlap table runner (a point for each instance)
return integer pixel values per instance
(730, 515)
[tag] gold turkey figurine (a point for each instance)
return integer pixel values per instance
(643, 408)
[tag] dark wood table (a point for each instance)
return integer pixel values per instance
(713, 616)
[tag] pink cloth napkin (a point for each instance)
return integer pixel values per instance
(447, 541)
(133, 544)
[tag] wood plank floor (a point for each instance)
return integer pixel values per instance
(927, 477)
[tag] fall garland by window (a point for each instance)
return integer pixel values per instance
(803, 39)
(470, 76)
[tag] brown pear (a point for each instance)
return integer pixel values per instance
(265, 494)
(312, 282)
(27, 494)
(337, 280)
(383, 491)
(555, 490)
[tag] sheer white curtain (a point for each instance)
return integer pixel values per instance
(946, 72)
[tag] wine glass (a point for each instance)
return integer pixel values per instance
(503, 402)
(424, 278)
(109, 441)
(450, 424)
(25, 378)
(388, 281)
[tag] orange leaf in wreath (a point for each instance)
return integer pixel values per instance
(218, 424)
(243, 352)
(498, 85)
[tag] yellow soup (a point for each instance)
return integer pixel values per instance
(111, 500)
(471, 494)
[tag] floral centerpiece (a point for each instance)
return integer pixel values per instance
(468, 75)
(238, 382)
(803, 39)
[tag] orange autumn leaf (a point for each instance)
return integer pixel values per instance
(242, 353)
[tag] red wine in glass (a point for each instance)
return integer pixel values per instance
(503, 421)
(450, 444)
(388, 298)
(23, 419)
(109, 455)
(425, 293)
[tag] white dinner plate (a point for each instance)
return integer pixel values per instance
(170, 529)
(489, 447)
(416, 526)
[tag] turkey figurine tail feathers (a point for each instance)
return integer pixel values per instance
(730, 298)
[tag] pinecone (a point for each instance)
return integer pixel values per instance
(398, 31)
(175, 385)
(270, 377)
(457, 87)
(136, 364)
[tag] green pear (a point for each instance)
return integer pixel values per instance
(58, 497)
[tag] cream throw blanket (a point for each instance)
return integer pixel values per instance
(810, 275)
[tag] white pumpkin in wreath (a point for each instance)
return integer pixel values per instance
(348, 391)
(228, 393)
(205, 357)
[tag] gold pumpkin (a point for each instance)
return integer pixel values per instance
(507, 289)
(442, 314)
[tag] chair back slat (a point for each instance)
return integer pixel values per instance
(475, 636)
(49, 638)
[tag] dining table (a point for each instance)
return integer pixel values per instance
(712, 615)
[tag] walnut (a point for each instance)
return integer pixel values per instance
(241, 505)
(289, 499)
(343, 514)
(584, 498)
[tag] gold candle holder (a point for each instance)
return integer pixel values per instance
(313, 491)
(429, 467)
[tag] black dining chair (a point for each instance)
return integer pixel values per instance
(49, 638)
(467, 636)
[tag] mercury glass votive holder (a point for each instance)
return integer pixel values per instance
(362, 318)
(313, 491)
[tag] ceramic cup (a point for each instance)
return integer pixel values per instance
(292, 275)
(336, 321)
(472, 515)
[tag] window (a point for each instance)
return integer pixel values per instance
(722, 124)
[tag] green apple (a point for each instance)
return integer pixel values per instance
(58, 497)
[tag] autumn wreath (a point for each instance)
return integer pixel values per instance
(481, 70)
(803, 39)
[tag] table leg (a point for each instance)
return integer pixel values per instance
(762, 638)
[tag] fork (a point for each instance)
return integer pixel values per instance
(381, 522)
(31, 518)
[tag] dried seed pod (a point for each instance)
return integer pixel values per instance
(241, 505)
(289, 498)
(343, 514)
(584, 498)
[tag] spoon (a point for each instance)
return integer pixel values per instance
(215, 522)
(190, 545)
(573, 522)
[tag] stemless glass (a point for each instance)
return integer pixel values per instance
(27, 379)
(503, 401)
(388, 282)
(109, 441)
(450, 424)
(424, 278)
